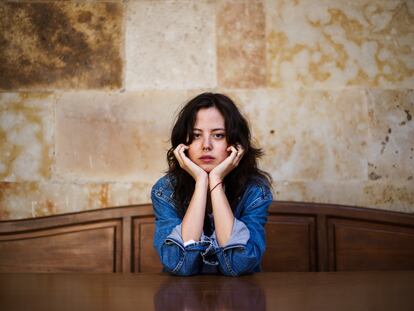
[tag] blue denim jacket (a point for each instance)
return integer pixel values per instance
(243, 252)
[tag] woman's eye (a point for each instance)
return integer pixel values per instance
(196, 135)
(218, 136)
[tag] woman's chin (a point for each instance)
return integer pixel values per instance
(207, 167)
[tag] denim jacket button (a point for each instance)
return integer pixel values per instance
(159, 193)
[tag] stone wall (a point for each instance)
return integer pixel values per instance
(89, 91)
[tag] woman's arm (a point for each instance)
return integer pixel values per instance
(244, 250)
(193, 221)
(223, 215)
(175, 257)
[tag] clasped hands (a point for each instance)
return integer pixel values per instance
(217, 174)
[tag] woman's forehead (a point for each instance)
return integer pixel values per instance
(209, 118)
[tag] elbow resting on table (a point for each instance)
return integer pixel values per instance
(180, 263)
(238, 262)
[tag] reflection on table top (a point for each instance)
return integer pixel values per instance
(386, 290)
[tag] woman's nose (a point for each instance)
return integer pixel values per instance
(206, 143)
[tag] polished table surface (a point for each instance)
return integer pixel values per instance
(386, 290)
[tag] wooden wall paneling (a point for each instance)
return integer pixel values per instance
(322, 243)
(90, 247)
(300, 237)
(145, 256)
(365, 245)
(291, 243)
(125, 249)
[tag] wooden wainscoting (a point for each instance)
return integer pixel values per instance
(300, 237)
(101, 240)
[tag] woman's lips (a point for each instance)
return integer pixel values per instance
(206, 159)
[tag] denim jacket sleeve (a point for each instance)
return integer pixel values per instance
(174, 256)
(243, 253)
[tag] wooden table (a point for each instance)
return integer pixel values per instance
(386, 290)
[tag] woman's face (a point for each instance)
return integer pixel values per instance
(209, 146)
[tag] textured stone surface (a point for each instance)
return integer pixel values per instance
(60, 45)
(335, 122)
(131, 193)
(339, 43)
(388, 196)
(241, 54)
(26, 200)
(396, 196)
(105, 137)
(391, 153)
(84, 1)
(309, 135)
(35, 199)
(26, 136)
(170, 45)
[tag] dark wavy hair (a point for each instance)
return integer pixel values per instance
(237, 132)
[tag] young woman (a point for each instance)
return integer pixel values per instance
(211, 207)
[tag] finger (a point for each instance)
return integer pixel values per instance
(240, 153)
(178, 155)
(188, 165)
(233, 150)
(182, 152)
(176, 151)
(235, 158)
(240, 149)
(184, 148)
(178, 148)
(238, 158)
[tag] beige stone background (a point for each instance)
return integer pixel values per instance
(89, 91)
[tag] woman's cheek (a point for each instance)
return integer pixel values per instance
(224, 154)
(191, 154)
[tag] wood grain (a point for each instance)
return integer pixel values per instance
(300, 237)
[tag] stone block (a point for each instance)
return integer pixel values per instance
(309, 135)
(332, 44)
(170, 45)
(61, 45)
(108, 137)
(391, 147)
(241, 44)
(26, 136)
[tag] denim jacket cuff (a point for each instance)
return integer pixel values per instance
(240, 234)
(176, 236)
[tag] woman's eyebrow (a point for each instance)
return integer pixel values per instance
(213, 130)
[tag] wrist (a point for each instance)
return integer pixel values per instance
(214, 180)
(214, 183)
(217, 185)
(202, 179)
